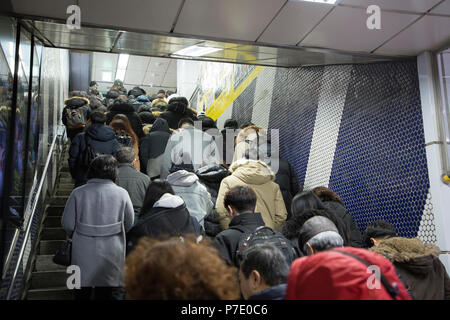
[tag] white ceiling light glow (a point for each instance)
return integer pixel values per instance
(122, 66)
(195, 51)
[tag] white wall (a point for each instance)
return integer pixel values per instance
(187, 76)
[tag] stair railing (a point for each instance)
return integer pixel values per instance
(56, 144)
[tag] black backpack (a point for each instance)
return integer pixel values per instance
(124, 139)
(89, 153)
(264, 235)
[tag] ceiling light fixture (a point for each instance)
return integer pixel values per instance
(195, 51)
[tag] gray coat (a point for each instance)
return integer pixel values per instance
(104, 213)
(197, 198)
(135, 182)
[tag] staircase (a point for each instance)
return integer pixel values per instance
(48, 280)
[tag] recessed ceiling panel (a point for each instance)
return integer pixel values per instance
(429, 33)
(155, 15)
(294, 21)
(232, 19)
(336, 33)
(419, 6)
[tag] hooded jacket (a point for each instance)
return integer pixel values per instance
(75, 103)
(168, 216)
(331, 275)
(153, 146)
(211, 176)
(418, 266)
(128, 110)
(257, 175)
(195, 195)
(101, 138)
(175, 112)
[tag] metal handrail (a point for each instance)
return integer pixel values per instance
(30, 220)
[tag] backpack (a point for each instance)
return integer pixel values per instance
(89, 153)
(76, 118)
(124, 139)
(264, 235)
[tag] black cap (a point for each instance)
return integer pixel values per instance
(313, 227)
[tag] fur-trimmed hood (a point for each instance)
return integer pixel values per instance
(76, 102)
(248, 133)
(252, 171)
(411, 253)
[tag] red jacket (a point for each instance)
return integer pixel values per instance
(335, 276)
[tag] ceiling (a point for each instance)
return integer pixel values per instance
(268, 32)
(150, 73)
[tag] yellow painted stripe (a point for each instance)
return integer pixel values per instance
(226, 98)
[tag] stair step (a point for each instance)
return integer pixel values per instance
(53, 234)
(49, 279)
(49, 246)
(63, 193)
(45, 263)
(61, 293)
(59, 201)
(65, 180)
(53, 211)
(65, 175)
(52, 222)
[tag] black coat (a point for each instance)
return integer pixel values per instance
(128, 110)
(160, 222)
(101, 138)
(175, 112)
(288, 182)
(211, 176)
(154, 144)
(78, 103)
(227, 241)
(352, 229)
(273, 293)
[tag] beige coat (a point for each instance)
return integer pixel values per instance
(258, 176)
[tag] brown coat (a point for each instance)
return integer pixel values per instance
(418, 266)
(257, 175)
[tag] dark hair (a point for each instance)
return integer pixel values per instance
(378, 229)
(269, 261)
(185, 120)
(231, 124)
(103, 167)
(125, 155)
(155, 191)
(305, 201)
(161, 91)
(326, 194)
(241, 198)
(92, 83)
(182, 100)
(98, 116)
(246, 124)
(291, 227)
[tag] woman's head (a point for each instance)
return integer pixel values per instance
(119, 125)
(177, 269)
(305, 201)
(155, 191)
(103, 167)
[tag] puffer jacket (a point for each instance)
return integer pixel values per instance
(197, 198)
(101, 138)
(168, 217)
(141, 100)
(418, 266)
(211, 176)
(136, 91)
(75, 103)
(175, 112)
(257, 175)
(128, 110)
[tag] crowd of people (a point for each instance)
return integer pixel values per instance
(167, 206)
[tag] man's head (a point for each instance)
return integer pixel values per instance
(263, 266)
(98, 116)
(240, 199)
(126, 155)
(185, 122)
(319, 234)
(377, 231)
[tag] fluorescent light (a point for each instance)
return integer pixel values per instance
(122, 66)
(123, 61)
(318, 1)
(195, 51)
